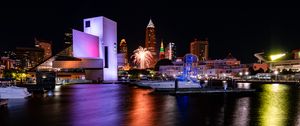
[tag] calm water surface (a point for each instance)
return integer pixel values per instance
(115, 105)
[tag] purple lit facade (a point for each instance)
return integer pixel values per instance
(94, 51)
(85, 45)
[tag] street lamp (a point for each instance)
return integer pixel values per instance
(246, 73)
(276, 73)
(240, 73)
(141, 76)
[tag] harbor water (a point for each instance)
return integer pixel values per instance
(118, 105)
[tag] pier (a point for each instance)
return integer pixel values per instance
(203, 91)
(216, 91)
(268, 81)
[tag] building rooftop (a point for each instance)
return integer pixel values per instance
(229, 56)
(150, 25)
(66, 58)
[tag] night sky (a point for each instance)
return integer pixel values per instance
(241, 31)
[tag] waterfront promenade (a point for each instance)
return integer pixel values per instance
(268, 81)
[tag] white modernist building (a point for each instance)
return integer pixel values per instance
(94, 55)
(106, 30)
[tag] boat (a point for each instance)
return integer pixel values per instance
(168, 84)
(187, 79)
(13, 92)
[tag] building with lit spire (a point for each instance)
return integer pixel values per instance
(170, 52)
(124, 50)
(150, 41)
(161, 51)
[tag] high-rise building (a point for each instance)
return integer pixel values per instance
(200, 49)
(161, 51)
(27, 58)
(150, 41)
(296, 53)
(46, 46)
(68, 38)
(170, 52)
(94, 54)
(124, 50)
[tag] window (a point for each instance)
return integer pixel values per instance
(87, 24)
(106, 56)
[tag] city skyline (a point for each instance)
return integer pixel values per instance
(150, 63)
(245, 31)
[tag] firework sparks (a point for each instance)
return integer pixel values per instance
(142, 57)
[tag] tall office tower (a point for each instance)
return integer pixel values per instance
(296, 53)
(161, 51)
(46, 46)
(27, 58)
(200, 49)
(150, 41)
(106, 31)
(170, 52)
(68, 44)
(124, 50)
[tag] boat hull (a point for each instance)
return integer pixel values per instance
(168, 84)
(13, 92)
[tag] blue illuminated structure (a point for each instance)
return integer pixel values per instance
(190, 71)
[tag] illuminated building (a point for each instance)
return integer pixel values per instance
(221, 68)
(8, 60)
(121, 60)
(106, 30)
(200, 49)
(296, 53)
(218, 68)
(7, 63)
(257, 66)
(94, 54)
(46, 46)
(281, 61)
(68, 39)
(123, 63)
(124, 50)
(85, 45)
(150, 41)
(293, 65)
(27, 58)
(161, 51)
(170, 52)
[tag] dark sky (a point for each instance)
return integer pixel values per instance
(241, 31)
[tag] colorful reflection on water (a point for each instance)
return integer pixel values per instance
(273, 109)
(241, 112)
(143, 109)
(114, 105)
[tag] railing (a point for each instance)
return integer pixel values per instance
(291, 81)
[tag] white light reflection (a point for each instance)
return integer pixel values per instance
(241, 113)
(244, 85)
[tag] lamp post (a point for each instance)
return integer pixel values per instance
(276, 73)
(241, 75)
(246, 73)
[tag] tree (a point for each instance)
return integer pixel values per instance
(162, 62)
(260, 70)
(251, 71)
(284, 71)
